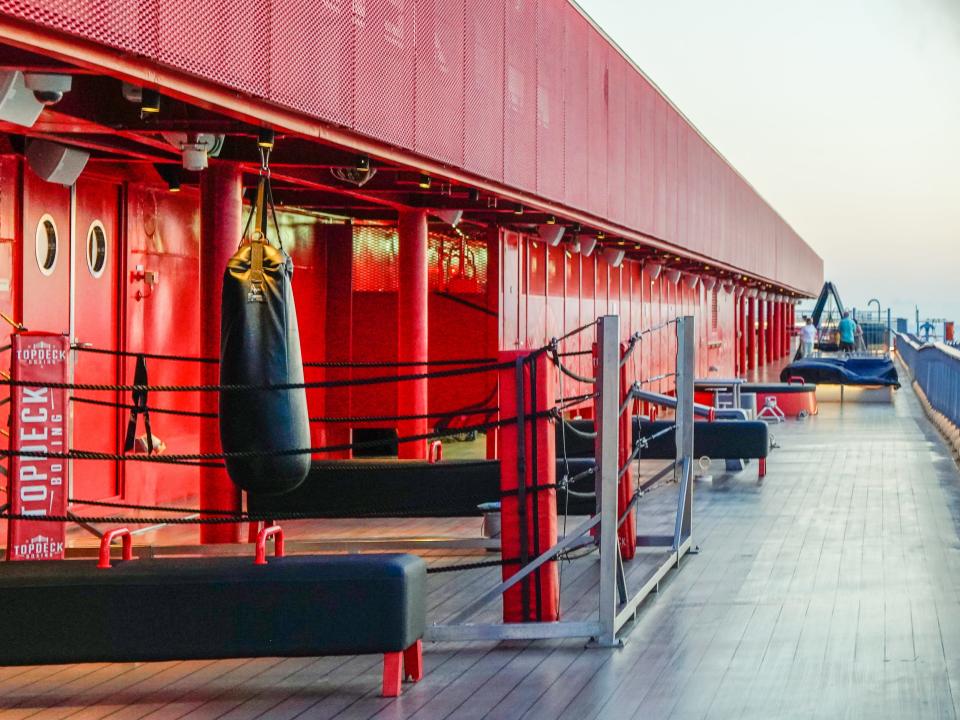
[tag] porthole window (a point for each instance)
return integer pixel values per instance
(47, 245)
(96, 249)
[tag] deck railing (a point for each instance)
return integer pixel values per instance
(936, 369)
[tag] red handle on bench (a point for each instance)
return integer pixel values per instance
(107, 539)
(795, 380)
(436, 452)
(261, 558)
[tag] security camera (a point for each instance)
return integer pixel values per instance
(47, 88)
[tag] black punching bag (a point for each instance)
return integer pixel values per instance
(260, 345)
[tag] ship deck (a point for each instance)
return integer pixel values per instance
(828, 590)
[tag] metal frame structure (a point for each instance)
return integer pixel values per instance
(616, 604)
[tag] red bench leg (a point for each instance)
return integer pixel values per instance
(762, 467)
(413, 661)
(392, 670)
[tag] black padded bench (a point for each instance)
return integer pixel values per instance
(721, 439)
(216, 608)
(377, 488)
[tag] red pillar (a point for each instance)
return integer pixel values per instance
(783, 329)
(412, 328)
(742, 338)
(221, 224)
(537, 597)
(761, 333)
(777, 330)
(493, 321)
(792, 324)
(751, 333)
(769, 332)
(339, 334)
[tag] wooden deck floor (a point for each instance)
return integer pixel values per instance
(831, 590)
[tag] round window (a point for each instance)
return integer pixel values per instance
(96, 249)
(47, 244)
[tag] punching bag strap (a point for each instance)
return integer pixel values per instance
(139, 408)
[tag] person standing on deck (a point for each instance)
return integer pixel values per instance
(848, 332)
(808, 336)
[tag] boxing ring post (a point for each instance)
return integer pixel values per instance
(616, 605)
(38, 485)
(607, 476)
(221, 225)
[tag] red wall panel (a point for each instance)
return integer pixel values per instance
(163, 235)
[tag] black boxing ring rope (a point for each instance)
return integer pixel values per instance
(481, 365)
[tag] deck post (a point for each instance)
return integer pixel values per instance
(686, 367)
(607, 458)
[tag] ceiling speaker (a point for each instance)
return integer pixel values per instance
(56, 163)
(587, 244)
(551, 233)
(17, 103)
(613, 256)
(451, 217)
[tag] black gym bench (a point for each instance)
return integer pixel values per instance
(722, 439)
(216, 608)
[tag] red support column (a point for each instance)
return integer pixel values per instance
(783, 329)
(339, 334)
(761, 333)
(791, 328)
(777, 330)
(528, 523)
(493, 321)
(751, 333)
(769, 333)
(743, 365)
(412, 336)
(221, 224)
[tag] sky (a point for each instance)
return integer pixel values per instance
(843, 114)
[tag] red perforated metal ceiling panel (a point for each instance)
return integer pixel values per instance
(482, 85)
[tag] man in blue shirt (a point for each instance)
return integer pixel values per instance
(848, 332)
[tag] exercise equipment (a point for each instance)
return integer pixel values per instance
(843, 371)
(260, 345)
(211, 608)
(378, 488)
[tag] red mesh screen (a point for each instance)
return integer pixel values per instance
(439, 89)
(520, 95)
(576, 104)
(550, 105)
(385, 70)
(616, 136)
(518, 90)
(597, 94)
(375, 255)
(670, 175)
(324, 86)
(227, 41)
(124, 24)
(483, 81)
(634, 198)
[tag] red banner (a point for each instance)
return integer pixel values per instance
(38, 423)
